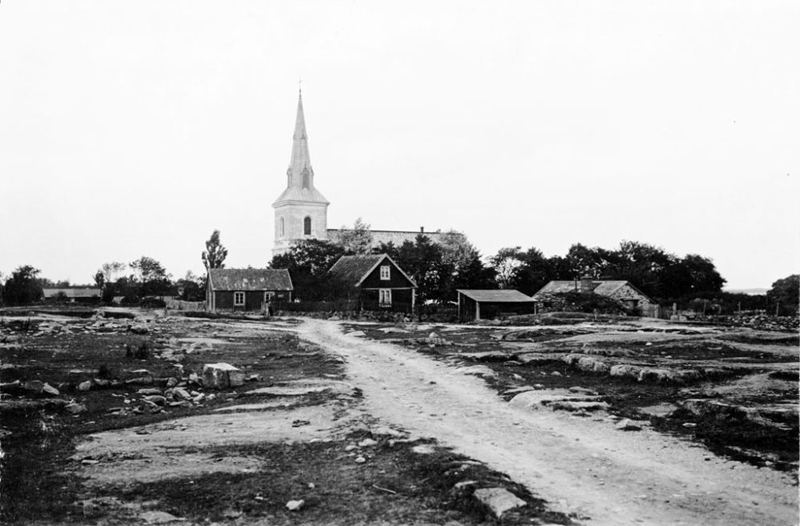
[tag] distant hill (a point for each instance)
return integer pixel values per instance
(752, 292)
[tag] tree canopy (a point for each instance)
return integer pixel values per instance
(214, 254)
(308, 263)
(23, 287)
(784, 295)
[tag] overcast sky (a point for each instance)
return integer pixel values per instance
(138, 128)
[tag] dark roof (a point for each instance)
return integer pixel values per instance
(250, 279)
(83, 292)
(496, 296)
(601, 287)
(354, 269)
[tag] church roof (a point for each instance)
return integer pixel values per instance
(249, 279)
(300, 175)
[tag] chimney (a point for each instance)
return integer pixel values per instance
(422, 230)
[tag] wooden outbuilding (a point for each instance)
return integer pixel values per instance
(485, 304)
(376, 282)
(247, 289)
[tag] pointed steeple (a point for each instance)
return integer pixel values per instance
(300, 175)
(300, 170)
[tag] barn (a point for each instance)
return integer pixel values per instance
(249, 289)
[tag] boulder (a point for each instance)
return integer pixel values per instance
(85, 386)
(498, 500)
(295, 505)
(34, 386)
(221, 376)
(628, 425)
(630, 371)
(50, 390)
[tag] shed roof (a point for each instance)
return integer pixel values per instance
(355, 269)
(83, 292)
(496, 296)
(250, 279)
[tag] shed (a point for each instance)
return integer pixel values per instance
(247, 289)
(472, 303)
(376, 282)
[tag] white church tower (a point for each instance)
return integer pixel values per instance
(301, 212)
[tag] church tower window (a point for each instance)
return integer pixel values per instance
(282, 228)
(307, 226)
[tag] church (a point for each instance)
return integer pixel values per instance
(301, 211)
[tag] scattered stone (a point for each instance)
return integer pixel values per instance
(628, 425)
(367, 442)
(360, 459)
(350, 447)
(85, 386)
(295, 505)
(221, 376)
(34, 386)
(149, 391)
(100, 382)
(155, 399)
(50, 390)
(498, 500)
(464, 484)
(172, 382)
(423, 449)
(75, 408)
(583, 391)
(158, 517)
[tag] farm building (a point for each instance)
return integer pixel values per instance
(623, 291)
(483, 304)
(376, 282)
(73, 294)
(247, 289)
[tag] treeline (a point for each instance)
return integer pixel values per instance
(451, 263)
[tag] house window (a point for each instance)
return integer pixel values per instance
(307, 226)
(238, 299)
(282, 228)
(385, 297)
(268, 297)
(386, 272)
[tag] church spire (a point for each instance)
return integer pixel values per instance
(300, 173)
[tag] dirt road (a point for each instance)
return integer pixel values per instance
(582, 466)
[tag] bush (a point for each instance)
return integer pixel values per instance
(153, 303)
(131, 300)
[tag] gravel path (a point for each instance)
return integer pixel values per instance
(580, 465)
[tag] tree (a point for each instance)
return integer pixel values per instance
(152, 278)
(192, 287)
(506, 264)
(111, 271)
(99, 279)
(23, 287)
(308, 262)
(356, 240)
(215, 254)
(784, 296)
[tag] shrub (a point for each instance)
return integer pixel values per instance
(153, 303)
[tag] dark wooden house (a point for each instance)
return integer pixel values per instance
(375, 282)
(247, 289)
(486, 304)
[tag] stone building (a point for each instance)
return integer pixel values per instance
(620, 290)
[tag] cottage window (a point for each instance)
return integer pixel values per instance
(386, 272)
(268, 296)
(385, 297)
(307, 226)
(238, 299)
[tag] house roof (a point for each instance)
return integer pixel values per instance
(250, 279)
(602, 287)
(355, 269)
(85, 292)
(496, 296)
